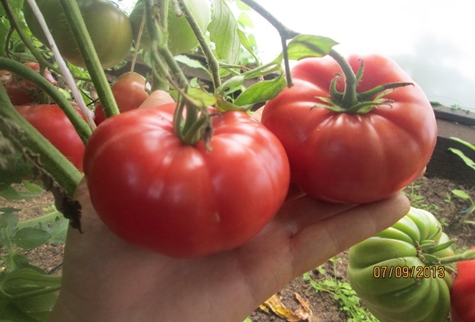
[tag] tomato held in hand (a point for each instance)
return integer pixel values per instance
(21, 91)
(462, 295)
(180, 35)
(129, 93)
(55, 126)
(181, 200)
(350, 156)
(108, 26)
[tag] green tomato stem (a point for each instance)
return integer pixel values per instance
(53, 161)
(30, 75)
(284, 32)
(210, 58)
(467, 255)
(350, 96)
(94, 67)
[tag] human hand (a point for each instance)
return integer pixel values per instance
(107, 279)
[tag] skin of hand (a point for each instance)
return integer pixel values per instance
(107, 279)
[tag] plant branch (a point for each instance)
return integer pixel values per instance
(210, 58)
(284, 32)
(88, 52)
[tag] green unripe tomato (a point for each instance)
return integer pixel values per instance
(180, 35)
(108, 26)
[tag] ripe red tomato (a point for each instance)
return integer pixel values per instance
(181, 200)
(129, 93)
(462, 294)
(21, 91)
(55, 126)
(108, 26)
(352, 158)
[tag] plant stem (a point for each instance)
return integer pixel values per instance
(94, 67)
(210, 58)
(284, 32)
(53, 161)
(468, 255)
(350, 96)
(161, 55)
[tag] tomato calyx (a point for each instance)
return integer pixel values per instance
(194, 126)
(349, 100)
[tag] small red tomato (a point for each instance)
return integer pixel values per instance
(462, 294)
(129, 93)
(21, 91)
(55, 126)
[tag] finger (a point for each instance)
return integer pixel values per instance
(324, 239)
(157, 98)
(258, 114)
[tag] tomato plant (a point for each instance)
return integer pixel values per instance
(54, 125)
(463, 292)
(108, 26)
(353, 145)
(21, 91)
(397, 274)
(180, 35)
(183, 200)
(129, 93)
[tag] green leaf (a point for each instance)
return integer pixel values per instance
(192, 63)
(261, 91)
(27, 295)
(200, 98)
(28, 238)
(10, 193)
(471, 146)
(304, 46)
(58, 229)
(247, 44)
(461, 194)
(465, 159)
(8, 220)
(245, 21)
(223, 32)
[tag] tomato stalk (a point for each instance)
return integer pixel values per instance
(467, 255)
(284, 33)
(210, 58)
(350, 101)
(78, 27)
(53, 161)
(161, 55)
